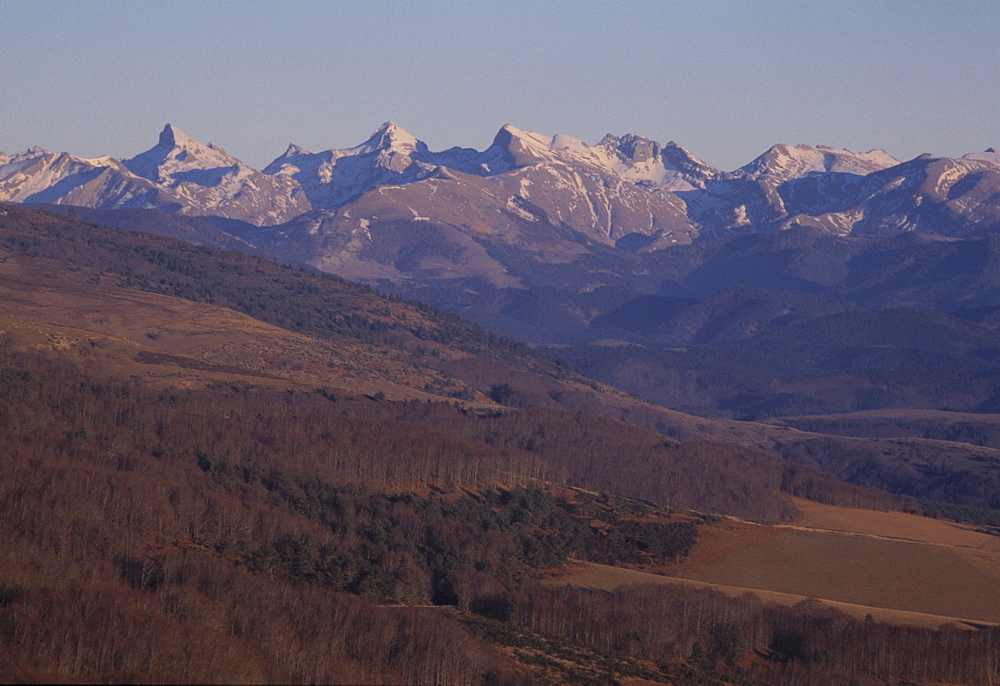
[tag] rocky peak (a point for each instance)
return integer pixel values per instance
(392, 137)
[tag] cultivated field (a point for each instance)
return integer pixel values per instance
(898, 568)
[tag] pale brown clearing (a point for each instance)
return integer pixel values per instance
(915, 577)
(899, 525)
(607, 578)
(870, 560)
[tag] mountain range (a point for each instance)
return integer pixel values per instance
(629, 192)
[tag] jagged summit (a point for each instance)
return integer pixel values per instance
(176, 155)
(291, 152)
(172, 137)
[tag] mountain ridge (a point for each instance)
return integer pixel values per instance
(837, 195)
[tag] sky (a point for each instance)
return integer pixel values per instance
(724, 79)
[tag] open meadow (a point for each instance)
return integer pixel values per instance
(897, 567)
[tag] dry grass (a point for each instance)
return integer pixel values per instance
(875, 572)
(896, 567)
(897, 525)
(182, 343)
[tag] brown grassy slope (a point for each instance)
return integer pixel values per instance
(885, 560)
(877, 559)
(411, 344)
(896, 525)
(862, 570)
(183, 343)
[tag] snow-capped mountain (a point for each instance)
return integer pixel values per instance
(178, 175)
(846, 193)
(392, 208)
(785, 162)
(37, 175)
(331, 178)
(943, 195)
(632, 158)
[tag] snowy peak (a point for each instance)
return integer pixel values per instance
(281, 164)
(633, 158)
(177, 157)
(390, 156)
(172, 137)
(640, 159)
(528, 147)
(390, 137)
(785, 162)
(633, 148)
(521, 148)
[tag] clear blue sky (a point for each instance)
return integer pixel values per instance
(724, 79)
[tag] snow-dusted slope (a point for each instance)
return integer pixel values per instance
(629, 157)
(990, 155)
(524, 191)
(936, 194)
(37, 175)
(209, 181)
(331, 178)
(785, 162)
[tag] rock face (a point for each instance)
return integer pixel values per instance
(390, 208)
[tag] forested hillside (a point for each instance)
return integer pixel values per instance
(212, 536)
(182, 504)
